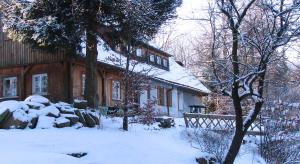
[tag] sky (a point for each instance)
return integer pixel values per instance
(189, 9)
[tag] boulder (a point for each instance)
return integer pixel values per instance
(165, 122)
(3, 114)
(90, 122)
(45, 122)
(64, 110)
(73, 118)
(80, 104)
(38, 99)
(95, 118)
(33, 105)
(18, 120)
(50, 111)
(62, 122)
(78, 125)
(206, 158)
(80, 116)
(33, 123)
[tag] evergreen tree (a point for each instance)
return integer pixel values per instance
(67, 24)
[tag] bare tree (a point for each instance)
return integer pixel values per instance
(244, 45)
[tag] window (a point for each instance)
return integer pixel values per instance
(160, 96)
(82, 84)
(158, 61)
(40, 84)
(138, 52)
(165, 61)
(116, 90)
(10, 87)
(152, 58)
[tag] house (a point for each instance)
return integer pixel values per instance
(25, 71)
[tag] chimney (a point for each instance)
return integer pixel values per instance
(180, 63)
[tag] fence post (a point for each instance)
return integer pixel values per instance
(185, 120)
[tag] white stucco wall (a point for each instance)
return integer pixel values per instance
(181, 100)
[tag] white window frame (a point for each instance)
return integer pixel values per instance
(83, 77)
(40, 84)
(12, 86)
(152, 58)
(138, 52)
(118, 90)
(165, 61)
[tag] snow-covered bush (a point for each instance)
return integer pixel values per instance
(282, 140)
(210, 143)
(146, 114)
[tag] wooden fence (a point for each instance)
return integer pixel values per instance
(218, 123)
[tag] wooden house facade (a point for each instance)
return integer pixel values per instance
(25, 71)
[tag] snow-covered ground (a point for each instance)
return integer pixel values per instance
(108, 145)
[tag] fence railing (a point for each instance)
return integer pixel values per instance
(219, 123)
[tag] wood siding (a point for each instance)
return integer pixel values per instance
(13, 53)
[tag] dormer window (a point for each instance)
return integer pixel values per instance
(158, 61)
(165, 61)
(152, 58)
(138, 52)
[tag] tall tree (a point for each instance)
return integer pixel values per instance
(258, 30)
(66, 24)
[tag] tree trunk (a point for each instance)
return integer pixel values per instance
(234, 147)
(91, 82)
(238, 135)
(126, 87)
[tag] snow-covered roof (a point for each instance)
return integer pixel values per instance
(177, 75)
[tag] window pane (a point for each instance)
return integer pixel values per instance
(44, 84)
(138, 52)
(10, 86)
(116, 90)
(165, 63)
(158, 60)
(40, 84)
(152, 58)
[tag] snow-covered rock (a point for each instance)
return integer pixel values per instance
(62, 122)
(33, 105)
(72, 117)
(50, 111)
(45, 122)
(38, 99)
(12, 105)
(17, 119)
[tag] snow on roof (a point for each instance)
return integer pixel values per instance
(177, 74)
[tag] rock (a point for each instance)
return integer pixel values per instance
(165, 122)
(38, 99)
(206, 159)
(73, 118)
(90, 122)
(45, 122)
(12, 105)
(3, 114)
(62, 122)
(33, 123)
(78, 125)
(80, 104)
(50, 111)
(18, 120)
(33, 105)
(81, 118)
(95, 118)
(64, 110)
